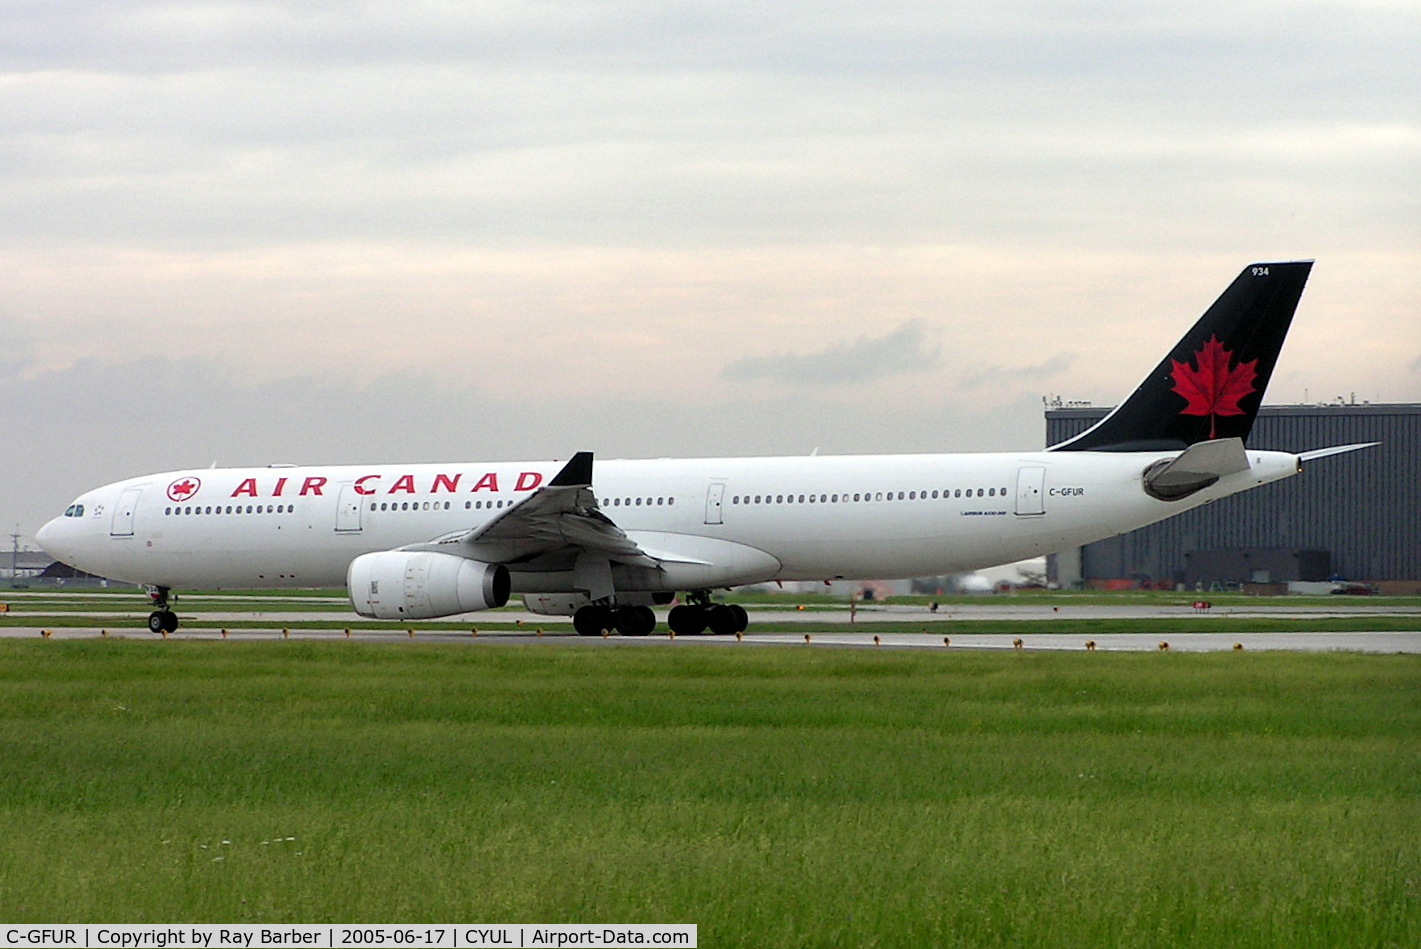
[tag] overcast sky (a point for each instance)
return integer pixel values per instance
(251, 232)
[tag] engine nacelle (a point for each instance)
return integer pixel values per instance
(401, 584)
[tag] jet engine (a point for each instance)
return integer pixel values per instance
(401, 584)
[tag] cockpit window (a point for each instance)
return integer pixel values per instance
(74, 510)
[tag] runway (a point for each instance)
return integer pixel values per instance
(814, 635)
(953, 625)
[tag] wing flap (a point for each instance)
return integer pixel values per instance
(561, 516)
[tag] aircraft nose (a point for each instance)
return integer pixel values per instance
(49, 538)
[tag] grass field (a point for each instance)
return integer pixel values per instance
(772, 796)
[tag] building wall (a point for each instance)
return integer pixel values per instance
(1363, 507)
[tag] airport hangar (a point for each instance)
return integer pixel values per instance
(1355, 516)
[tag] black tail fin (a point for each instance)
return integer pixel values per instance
(1211, 384)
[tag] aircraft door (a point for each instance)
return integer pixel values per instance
(1030, 491)
(127, 506)
(715, 501)
(348, 510)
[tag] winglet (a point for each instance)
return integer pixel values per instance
(577, 473)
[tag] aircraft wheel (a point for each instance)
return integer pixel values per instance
(635, 620)
(742, 618)
(624, 621)
(162, 621)
(722, 620)
(686, 620)
(590, 620)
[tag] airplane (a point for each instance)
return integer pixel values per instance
(605, 541)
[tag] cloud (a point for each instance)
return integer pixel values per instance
(997, 376)
(430, 228)
(904, 350)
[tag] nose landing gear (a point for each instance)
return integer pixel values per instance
(162, 619)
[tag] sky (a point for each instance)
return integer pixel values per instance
(328, 232)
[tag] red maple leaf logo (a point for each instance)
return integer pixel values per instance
(1210, 386)
(184, 489)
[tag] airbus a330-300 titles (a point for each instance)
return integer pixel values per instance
(605, 542)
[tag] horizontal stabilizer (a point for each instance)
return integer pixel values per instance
(1197, 467)
(1335, 450)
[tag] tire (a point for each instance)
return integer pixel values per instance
(722, 620)
(742, 618)
(686, 620)
(155, 622)
(590, 620)
(634, 620)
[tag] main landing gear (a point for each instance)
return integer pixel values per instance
(697, 615)
(162, 619)
(628, 620)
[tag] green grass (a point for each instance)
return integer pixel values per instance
(784, 797)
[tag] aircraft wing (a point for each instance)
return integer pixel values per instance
(560, 518)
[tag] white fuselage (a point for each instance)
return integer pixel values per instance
(817, 518)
